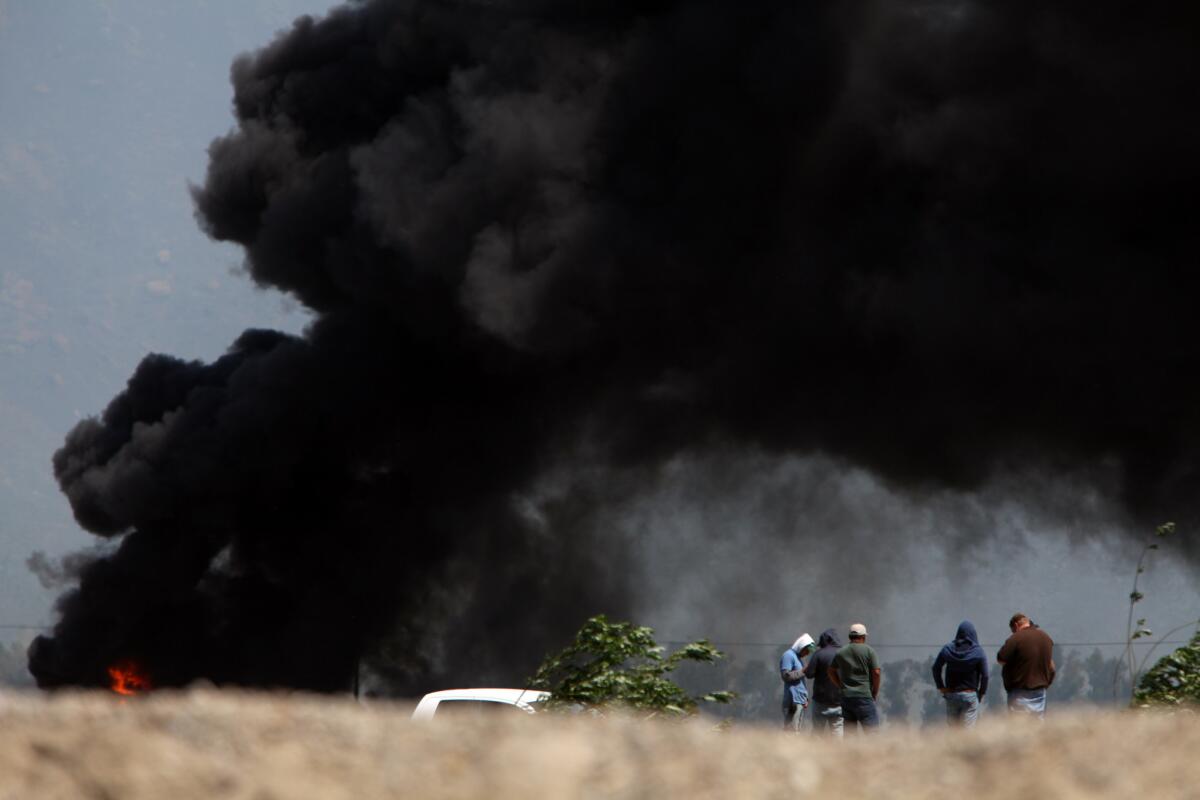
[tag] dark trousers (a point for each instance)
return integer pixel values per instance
(861, 710)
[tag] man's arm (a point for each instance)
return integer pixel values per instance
(834, 677)
(875, 679)
(1005, 651)
(938, 663)
(791, 669)
(811, 670)
(983, 678)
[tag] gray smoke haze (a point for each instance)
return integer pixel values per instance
(861, 275)
(755, 547)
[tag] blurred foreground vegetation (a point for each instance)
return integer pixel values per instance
(1174, 680)
(14, 671)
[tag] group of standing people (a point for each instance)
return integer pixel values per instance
(846, 679)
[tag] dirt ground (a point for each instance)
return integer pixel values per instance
(260, 747)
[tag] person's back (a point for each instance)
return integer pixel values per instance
(854, 663)
(824, 690)
(960, 673)
(826, 696)
(962, 663)
(855, 670)
(1028, 659)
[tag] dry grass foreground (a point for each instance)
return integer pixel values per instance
(259, 747)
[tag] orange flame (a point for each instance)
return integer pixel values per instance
(128, 678)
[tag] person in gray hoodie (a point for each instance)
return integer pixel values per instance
(826, 704)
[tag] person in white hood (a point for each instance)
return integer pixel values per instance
(795, 690)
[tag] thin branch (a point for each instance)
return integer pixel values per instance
(1126, 656)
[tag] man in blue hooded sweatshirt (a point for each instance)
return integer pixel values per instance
(966, 676)
(795, 691)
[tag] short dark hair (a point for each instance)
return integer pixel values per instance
(1017, 619)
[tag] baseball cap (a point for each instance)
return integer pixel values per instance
(858, 629)
(804, 641)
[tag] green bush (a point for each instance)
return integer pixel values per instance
(1174, 680)
(618, 664)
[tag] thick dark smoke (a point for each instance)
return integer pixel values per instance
(929, 238)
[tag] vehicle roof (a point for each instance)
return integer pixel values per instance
(518, 698)
(496, 695)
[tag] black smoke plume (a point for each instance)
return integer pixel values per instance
(929, 238)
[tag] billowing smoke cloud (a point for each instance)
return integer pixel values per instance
(930, 239)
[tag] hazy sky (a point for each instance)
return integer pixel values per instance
(106, 111)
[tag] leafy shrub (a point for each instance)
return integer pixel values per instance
(618, 664)
(1174, 680)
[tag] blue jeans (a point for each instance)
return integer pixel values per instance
(1027, 701)
(861, 710)
(962, 708)
(827, 719)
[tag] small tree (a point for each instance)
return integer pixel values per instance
(1174, 680)
(618, 664)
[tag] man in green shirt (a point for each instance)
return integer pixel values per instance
(855, 670)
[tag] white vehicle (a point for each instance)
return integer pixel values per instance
(477, 702)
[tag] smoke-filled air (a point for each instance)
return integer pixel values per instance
(565, 245)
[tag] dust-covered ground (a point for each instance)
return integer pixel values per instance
(258, 747)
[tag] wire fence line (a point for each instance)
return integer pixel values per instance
(915, 645)
(878, 645)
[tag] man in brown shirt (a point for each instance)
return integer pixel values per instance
(1028, 659)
